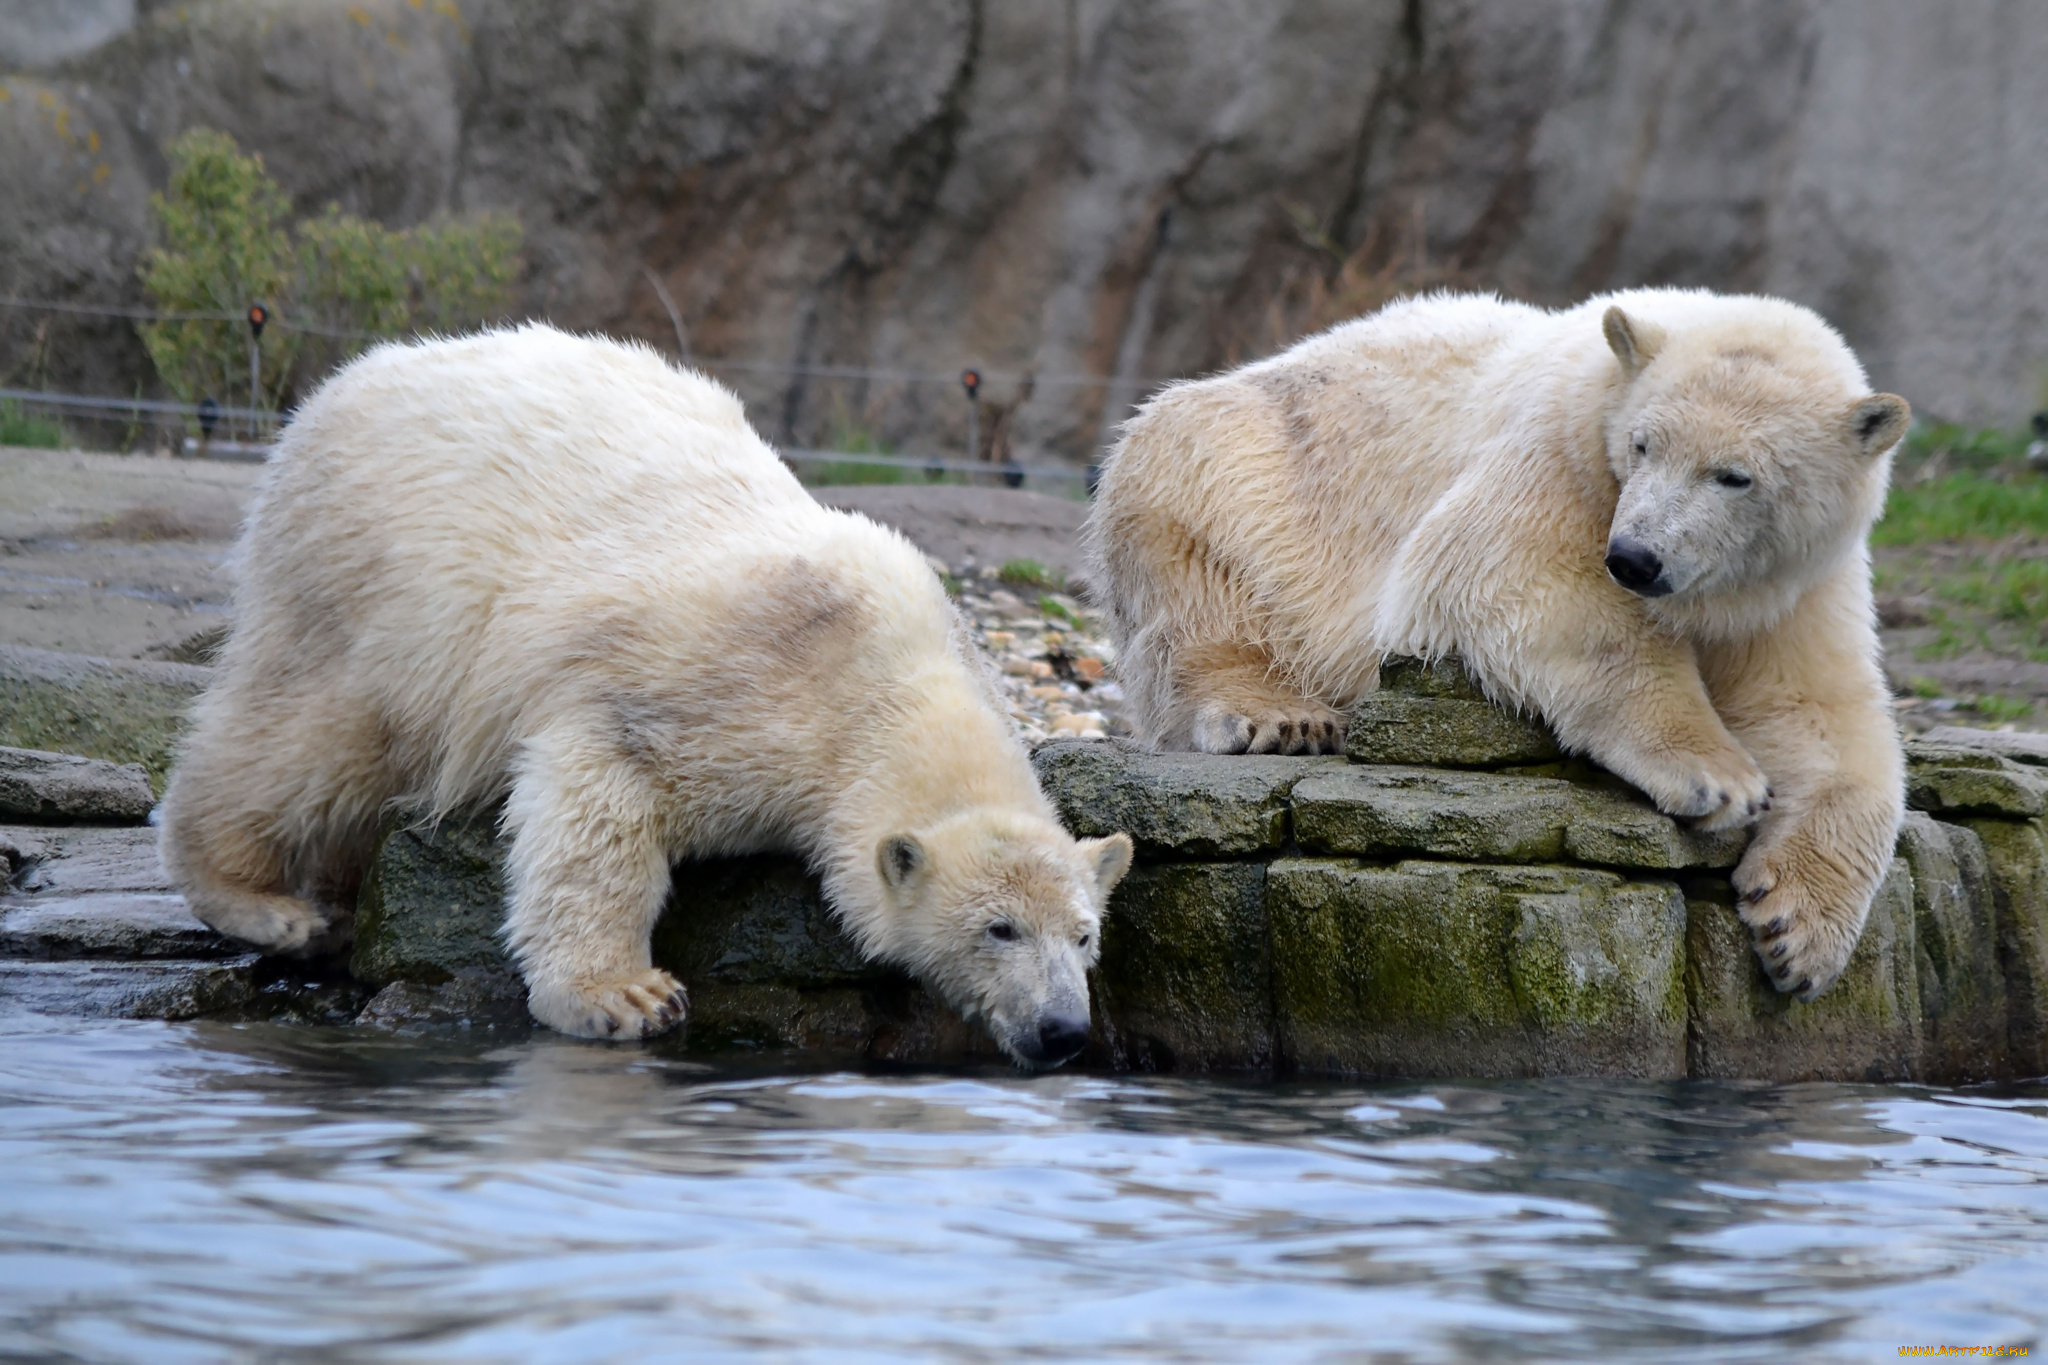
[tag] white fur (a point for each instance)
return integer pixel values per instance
(1448, 475)
(556, 570)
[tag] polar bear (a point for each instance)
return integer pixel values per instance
(556, 570)
(1644, 518)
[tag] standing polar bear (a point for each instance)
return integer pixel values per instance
(1645, 518)
(556, 570)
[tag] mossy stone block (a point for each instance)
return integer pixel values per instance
(1376, 811)
(1450, 969)
(1444, 676)
(432, 904)
(118, 710)
(1433, 712)
(1955, 779)
(1866, 1027)
(1173, 805)
(1449, 733)
(765, 964)
(1964, 1029)
(2018, 854)
(1183, 980)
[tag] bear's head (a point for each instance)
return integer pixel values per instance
(1751, 458)
(1001, 915)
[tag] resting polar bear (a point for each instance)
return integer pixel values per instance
(1644, 518)
(551, 568)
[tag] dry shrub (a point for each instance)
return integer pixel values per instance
(1336, 285)
(147, 523)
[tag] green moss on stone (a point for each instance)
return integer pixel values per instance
(1375, 811)
(2018, 855)
(1451, 969)
(1964, 1029)
(120, 711)
(1183, 981)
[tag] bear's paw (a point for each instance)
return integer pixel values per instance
(1803, 919)
(630, 1006)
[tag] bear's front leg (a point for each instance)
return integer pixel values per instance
(1640, 709)
(1808, 700)
(587, 873)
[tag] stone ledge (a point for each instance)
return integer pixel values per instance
(122, 925)
(1491, 817)
(38, 785)
(123, 711)
(1174, 805)
(1950, 778)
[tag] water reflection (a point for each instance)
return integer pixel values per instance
(188, 1192)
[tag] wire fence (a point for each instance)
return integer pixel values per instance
(167, 427)
(41, 416)
(879, 374)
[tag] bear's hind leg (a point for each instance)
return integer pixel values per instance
(1234, 701)
(270, 813)
(235, 881)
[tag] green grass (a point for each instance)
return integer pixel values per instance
(1964, 507)
(826, 473)
(1963, 447)
(2002, 709)
(18, 428)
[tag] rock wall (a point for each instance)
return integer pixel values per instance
(1073, 188)
(1355, 916)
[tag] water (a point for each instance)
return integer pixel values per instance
(206, 1192)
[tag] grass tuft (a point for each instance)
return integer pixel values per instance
(18, 428)
(1028, 573)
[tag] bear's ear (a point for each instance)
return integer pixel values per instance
(1634, 341)
(1879, 422)
(902, 860)
(1111, 858)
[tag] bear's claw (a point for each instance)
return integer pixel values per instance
(1270, 730)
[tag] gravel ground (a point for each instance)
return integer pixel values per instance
(1053, 656)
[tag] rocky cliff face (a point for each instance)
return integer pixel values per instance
(1072, 189)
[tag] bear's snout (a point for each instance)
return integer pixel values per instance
(1636, 567)
(1060, 1037)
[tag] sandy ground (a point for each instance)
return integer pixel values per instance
(120, 556)
(124, 556)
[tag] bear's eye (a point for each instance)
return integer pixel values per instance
(1002, 931)
(1083, 941)
(1732, 478)
(1642, 445)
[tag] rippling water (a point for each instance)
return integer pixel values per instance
(200, 1192)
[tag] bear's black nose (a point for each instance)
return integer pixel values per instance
(1061, 1036)
(1636, 567)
